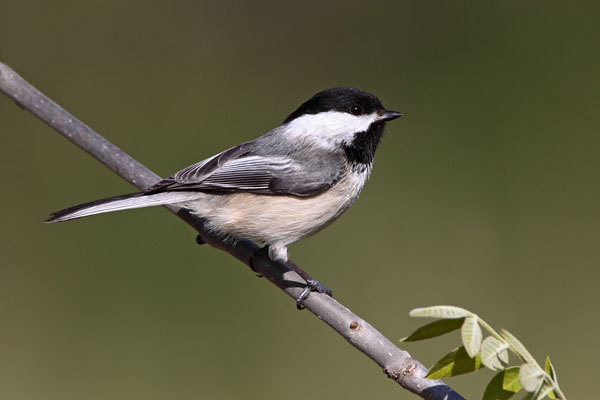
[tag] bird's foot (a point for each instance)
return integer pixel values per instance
(312, 285)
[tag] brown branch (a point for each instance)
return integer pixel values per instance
(396, 363)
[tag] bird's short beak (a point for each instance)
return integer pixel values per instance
(388, 115)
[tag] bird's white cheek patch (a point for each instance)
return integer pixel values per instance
(330, 128)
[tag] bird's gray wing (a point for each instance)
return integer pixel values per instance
(240, 170)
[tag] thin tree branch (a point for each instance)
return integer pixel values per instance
(396, 363)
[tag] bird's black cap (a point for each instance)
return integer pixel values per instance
(343, 99)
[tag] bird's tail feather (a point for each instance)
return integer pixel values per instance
(124, 202)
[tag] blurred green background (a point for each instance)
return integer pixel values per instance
(485, 195)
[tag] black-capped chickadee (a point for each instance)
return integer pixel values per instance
(281, 187)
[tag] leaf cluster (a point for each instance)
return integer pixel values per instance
(491, 352)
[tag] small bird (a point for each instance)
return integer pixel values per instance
(281, 187)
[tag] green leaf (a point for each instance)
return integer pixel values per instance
(543, 391)
(457, 362)
(440, 312)
(436, 328)
(549, 368)
(494, 354)
(517, 346)
(530, 377)
(471, 336)
(504, 385)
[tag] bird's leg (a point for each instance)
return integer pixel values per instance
(312, 285)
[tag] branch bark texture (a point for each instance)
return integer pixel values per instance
(396, 363)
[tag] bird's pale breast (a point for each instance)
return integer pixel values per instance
(278, 219)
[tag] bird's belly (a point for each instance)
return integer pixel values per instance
(278, 219)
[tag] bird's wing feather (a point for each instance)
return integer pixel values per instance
(238, 170)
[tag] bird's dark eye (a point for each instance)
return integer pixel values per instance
(356, 109)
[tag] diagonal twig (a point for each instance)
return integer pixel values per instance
(396, 363)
